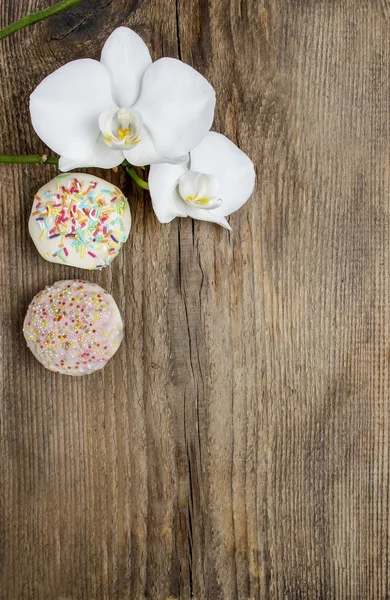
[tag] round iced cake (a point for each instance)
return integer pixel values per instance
(73, 327)
(80, 220)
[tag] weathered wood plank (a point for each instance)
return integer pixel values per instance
(238, 445)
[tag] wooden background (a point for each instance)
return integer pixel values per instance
(237, 447)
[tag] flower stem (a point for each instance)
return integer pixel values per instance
(138, 180)
(37, 16)
(40, 159)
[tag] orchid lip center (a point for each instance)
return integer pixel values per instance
(121, 129)
(199, 190)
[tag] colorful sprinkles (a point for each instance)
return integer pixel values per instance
(88, 216)
(73, 327)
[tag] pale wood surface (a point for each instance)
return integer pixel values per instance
(238, 444)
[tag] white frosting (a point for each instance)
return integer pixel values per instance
(79, 220)
(73, 327)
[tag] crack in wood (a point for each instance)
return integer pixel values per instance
(178, 29)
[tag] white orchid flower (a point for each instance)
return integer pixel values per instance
(96, 114)
(219, 180)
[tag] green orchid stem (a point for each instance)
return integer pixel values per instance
(138, 180)
(40, 159)
(37, 16)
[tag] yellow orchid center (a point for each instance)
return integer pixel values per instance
(122, 133)
(202, 202)
(199, 190)
(121, 129)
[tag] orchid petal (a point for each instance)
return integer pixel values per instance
(66, 105)
(163, 181)
(188, 184)
(177, 106)
(207, 215)
(208, 185)
(126, 57)
(102, 157)
(143, 153)
(218, 156)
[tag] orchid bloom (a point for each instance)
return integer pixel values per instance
(218, 181)
(96, 114)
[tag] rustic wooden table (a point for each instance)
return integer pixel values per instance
(238, 444)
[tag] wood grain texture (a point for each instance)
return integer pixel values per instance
(237, 447)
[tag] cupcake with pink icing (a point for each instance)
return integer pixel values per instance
(73, 327)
